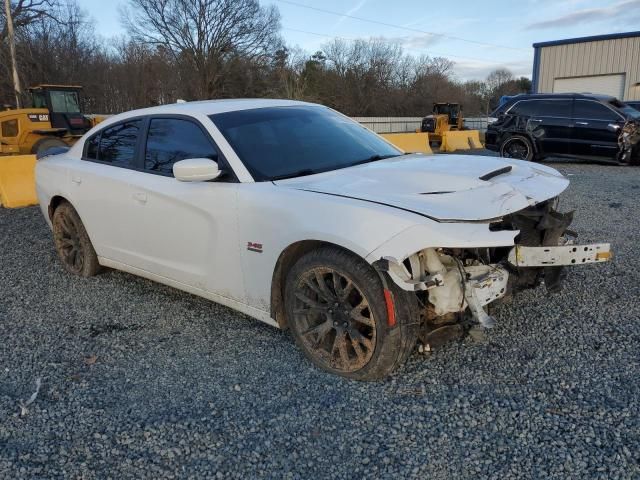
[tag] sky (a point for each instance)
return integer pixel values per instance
(479, 36)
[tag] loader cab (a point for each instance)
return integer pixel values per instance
(63, 103)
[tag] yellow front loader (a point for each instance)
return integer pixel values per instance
(54, 119)
(445, 127)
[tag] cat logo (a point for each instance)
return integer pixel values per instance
(42, 117)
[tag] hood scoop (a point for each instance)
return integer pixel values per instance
(437, 193)
(495, 173)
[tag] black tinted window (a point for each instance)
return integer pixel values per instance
(282, 142)
(554, 108)
(524, 107)
(171, 140)
(91, 148)
(588, 109)
(118, 143)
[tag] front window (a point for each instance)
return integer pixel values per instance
(170, 140)
(284, 142)
(64, 102)
(590, 110)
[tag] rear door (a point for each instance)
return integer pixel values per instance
(100, 187)
(550, 125)
(596, 129)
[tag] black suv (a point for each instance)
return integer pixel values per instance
(531, 127)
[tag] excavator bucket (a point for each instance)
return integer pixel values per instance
(409, 142)
(453, 140)
(17, 181)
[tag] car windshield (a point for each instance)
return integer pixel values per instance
(285, 142)
(628, 111)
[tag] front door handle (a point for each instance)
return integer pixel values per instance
(140, 197)
(582, 123)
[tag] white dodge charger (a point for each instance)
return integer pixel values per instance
(300, 217)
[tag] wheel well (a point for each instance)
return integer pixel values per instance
(286, 261)
(55, 203)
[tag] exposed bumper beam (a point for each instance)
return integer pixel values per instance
(521, 256)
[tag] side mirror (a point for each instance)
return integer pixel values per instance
(196, 170)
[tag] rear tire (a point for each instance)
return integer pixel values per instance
(517, 147)
(72, 243)
(45, 144)
(336, 308)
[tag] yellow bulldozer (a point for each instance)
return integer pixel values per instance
(53, 119)
(444, 118)
(445, 127)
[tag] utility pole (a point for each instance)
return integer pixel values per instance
(12, 51)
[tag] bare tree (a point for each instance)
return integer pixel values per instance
(208, 33)
(25, 12)
(15, 15)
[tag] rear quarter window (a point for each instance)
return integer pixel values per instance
(115, 145)
(524, 108)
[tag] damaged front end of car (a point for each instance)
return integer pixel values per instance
(629, 143)
(455, 286)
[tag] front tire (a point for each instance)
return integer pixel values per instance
(517, 147)
(72, 242)
(335, 305)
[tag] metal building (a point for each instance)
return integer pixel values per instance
(605, 64)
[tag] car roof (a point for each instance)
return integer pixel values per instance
(210, 107)
(530, 96)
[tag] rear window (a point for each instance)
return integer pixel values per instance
(554, 108)
(115, 145)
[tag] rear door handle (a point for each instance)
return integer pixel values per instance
(140, 197)
(582, 123)
(76, 179)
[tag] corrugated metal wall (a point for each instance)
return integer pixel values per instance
(603, 57)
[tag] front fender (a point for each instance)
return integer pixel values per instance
(274, 218)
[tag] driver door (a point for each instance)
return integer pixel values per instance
(184, 231)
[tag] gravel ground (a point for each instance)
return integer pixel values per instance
(140, 380)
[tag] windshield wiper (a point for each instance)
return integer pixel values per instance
(373, 158)
(299, 173)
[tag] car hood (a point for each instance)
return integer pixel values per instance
(442, 187)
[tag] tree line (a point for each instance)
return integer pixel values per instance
(206, 49)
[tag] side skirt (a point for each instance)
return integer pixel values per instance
(227, 302)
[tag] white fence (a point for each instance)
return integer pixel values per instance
(410, 124)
